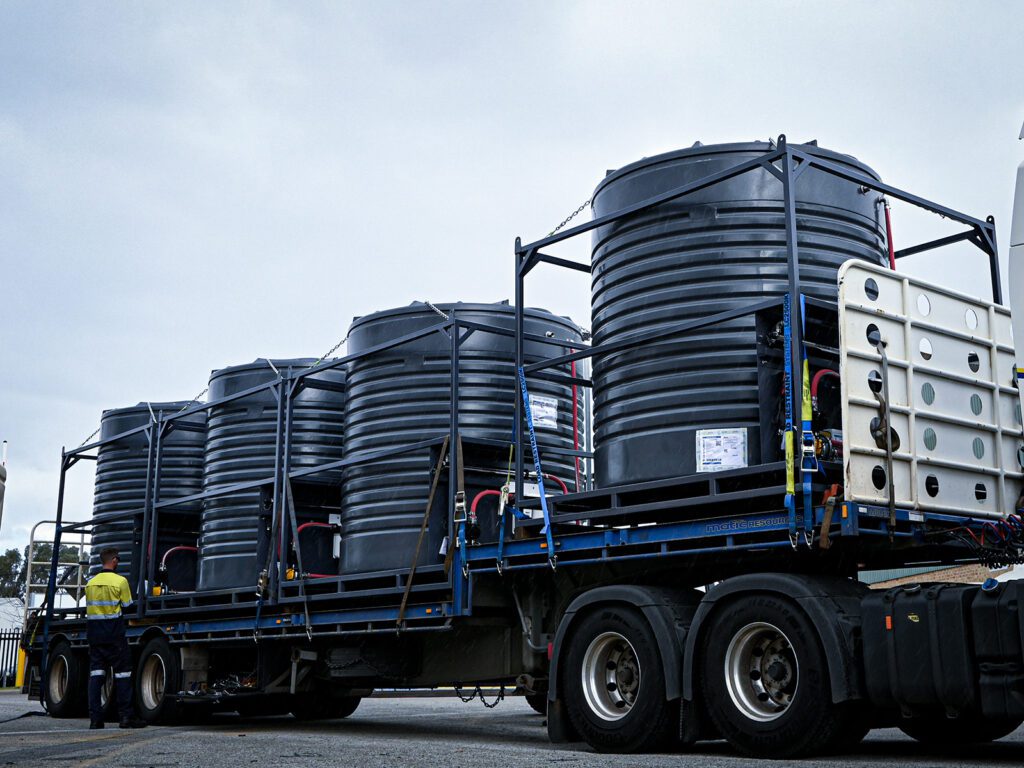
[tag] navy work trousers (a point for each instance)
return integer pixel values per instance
(110, 653)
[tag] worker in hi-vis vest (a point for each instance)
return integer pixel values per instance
(107, 594)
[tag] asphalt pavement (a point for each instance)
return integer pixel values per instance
(392, 733)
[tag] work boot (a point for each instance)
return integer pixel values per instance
(94, 724)
(133, 722)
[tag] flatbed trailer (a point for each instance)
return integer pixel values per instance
(642, 616)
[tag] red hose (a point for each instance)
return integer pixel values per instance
(482, 494)
(565, 488)
(299, 530)
(163, 560)
(304, 526)
(575, 422)
(491, 492)
(888, 237)
(817, 380)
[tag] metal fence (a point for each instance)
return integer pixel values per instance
(9, 640)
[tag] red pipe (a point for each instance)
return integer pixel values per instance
(565, 488)
(163, 560)
(482, 494)
(491, 492)
(304, 526)
(888, 237)
(817, 380)
(299, 530)
(575, 422)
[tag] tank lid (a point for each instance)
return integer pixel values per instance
(264, 364)
(144, 407)
(503, 308)
(745, 147)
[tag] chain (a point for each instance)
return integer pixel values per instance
(329, 352)
(497, 700)
(186, 405)
(478, 693)
(193, 400)
(431, 306)
(570, 217)
(90, 437)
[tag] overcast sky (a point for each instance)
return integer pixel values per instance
(189, 185)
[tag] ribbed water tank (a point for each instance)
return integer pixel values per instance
(121, 470)
(240, 448)
(401, 396)
(715, 250)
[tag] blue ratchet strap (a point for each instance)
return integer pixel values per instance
(501, 506)
(517, 513)
(787, 435)
(256, 624)
(808, 461)
(501, 538)
(552, 559)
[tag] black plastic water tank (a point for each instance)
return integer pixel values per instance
(240, 448)
(121, 470)
(401, 396)
(715, 250)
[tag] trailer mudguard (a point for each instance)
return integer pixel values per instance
(668, 611)
(833, 606)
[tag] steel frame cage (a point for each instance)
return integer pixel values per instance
(285, 388)
(787, 163)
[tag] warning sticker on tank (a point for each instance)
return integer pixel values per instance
(719, 449)
(544, 411)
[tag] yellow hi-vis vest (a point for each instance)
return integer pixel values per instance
(106, 595)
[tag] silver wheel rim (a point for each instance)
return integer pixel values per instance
(761, 671)
(152, 682)
(58, 683)
(611, 676)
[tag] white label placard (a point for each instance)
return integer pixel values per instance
(544, 411)
(719, 449)
(530, 491)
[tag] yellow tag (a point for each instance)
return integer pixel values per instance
(790, 480)
(806, 393)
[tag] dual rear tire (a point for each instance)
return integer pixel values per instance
(765, 683)
(614, 685)
(762, 672)
(157, 679)
(66, 682)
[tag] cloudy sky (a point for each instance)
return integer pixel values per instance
(189, 185)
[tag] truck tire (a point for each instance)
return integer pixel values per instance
(67, 680)
(539, 702)
(944, 731)
(108, 697)
(765, 683)
(157, 678)
(614, 685)
(312, 708)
